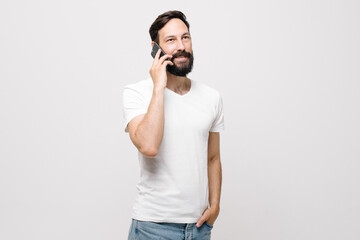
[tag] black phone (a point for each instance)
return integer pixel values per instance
(155, 49)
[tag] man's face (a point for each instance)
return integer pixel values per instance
(175, 39)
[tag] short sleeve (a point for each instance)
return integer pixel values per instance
(218, 123)
(133, 105)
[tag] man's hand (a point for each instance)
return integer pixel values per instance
(209, 215)
(158, 70)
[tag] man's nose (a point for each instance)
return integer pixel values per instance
(180, 46)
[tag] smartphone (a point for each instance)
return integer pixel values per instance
(155, 49)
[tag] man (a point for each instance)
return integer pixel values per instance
(174, 122)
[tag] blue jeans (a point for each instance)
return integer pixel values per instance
(140, 230)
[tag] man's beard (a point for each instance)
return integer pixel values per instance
(185, 67)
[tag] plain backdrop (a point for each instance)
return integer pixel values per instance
(288, 72)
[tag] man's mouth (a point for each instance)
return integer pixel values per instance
(181, 58)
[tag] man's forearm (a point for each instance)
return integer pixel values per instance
(151, 129)
(215, 180)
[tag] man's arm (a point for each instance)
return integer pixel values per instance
(146, 130)
(215, 178)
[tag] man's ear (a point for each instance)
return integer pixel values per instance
(152, 44)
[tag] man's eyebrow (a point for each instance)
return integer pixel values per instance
(169, 36)
(187, 33)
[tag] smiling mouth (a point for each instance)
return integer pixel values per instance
(181, 58)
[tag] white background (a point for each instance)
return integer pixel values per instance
(289, 75)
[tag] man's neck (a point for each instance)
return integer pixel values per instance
(179, 85)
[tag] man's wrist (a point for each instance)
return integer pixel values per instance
(215, 209)
(215, 205)
(158, 89)
(214, 213)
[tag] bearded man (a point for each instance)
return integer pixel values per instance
(174, 122)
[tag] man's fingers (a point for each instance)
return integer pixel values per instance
(200, 222)
(164, 58)
(156, 58)
(168, 62)
(157, 54)
(160, 60)
(203, 218)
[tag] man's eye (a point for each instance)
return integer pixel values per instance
(169, 40)
(186, 37)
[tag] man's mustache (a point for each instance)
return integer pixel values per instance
(181, 54)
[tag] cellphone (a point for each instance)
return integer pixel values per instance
(155, 49)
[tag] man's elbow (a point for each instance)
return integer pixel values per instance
(144, 147)
(149, 152)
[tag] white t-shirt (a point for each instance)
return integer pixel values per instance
(173, 186)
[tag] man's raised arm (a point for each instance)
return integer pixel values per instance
(146, 130)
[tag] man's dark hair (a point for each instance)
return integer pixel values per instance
(163, 19)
